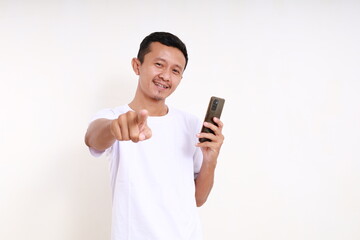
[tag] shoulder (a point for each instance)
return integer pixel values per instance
(111, 113)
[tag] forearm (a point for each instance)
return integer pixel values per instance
(204, 182)
(98, 135)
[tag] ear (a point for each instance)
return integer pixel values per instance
(136, 65)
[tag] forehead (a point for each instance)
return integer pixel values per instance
(171, 55)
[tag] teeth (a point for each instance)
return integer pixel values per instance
(160, 85)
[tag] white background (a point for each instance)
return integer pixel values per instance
(289, 71)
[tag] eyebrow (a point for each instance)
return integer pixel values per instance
(177, 65)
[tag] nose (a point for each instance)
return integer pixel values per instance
(165, 75)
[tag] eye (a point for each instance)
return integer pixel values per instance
(177, 72)
(158, 64)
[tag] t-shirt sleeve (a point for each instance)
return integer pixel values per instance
(105, 113)
(198, 157)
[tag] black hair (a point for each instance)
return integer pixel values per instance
(165, 38)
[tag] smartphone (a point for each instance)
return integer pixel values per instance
(214, 110)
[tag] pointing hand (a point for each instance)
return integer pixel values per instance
(131, 126)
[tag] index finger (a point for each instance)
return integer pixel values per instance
(218, 122)
(142, 116)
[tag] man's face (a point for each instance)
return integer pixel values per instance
(161, 71)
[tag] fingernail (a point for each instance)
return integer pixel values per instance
(141, 137)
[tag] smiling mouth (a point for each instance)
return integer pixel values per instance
(161, 85)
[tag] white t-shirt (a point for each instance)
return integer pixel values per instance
(153, 180)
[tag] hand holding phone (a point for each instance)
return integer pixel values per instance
(214, 110)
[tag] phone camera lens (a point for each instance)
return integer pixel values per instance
(214, 105)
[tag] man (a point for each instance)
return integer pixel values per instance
(159, 170)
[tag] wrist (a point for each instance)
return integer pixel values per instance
(209, 163)
(110, 129)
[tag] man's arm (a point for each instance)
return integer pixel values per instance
(205, 179)
(102, 133)
(99, 135)
(204, 182)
